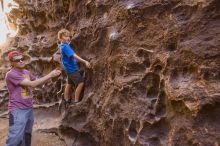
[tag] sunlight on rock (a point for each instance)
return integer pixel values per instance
(130, 5)
(5, 28)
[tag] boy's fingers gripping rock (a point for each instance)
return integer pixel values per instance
(88, 65)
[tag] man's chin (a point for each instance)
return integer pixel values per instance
(21, 67)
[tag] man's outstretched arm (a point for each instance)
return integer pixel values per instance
(37, 82)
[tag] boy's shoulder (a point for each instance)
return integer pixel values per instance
(65, 46)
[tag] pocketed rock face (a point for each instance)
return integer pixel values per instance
(156, 68)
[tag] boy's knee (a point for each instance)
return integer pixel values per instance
(80, 84)
(68, 86)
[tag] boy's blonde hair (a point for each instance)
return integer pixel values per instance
(62, 32)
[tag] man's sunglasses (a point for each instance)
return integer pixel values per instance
(18, 60)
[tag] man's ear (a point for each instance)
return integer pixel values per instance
(12, 65)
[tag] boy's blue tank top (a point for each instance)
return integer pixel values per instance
(68, 61)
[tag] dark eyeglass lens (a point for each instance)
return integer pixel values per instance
(18, 60)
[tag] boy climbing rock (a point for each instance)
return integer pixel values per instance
(68, 59)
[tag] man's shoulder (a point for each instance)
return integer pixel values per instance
(10, 74)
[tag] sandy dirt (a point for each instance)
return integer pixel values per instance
(43, 122)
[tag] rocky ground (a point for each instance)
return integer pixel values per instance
(45, 127)
(156, 68)
(39, 138)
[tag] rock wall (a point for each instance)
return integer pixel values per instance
(156, 68)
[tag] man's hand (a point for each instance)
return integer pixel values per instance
(55, 73)
(88, 65)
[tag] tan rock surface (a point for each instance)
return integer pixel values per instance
(156, 68)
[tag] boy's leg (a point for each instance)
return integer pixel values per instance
(67, 91)
(78, 91)
(77, 80)
(82, 92)
(17, 124)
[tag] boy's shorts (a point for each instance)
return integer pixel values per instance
(74, 78)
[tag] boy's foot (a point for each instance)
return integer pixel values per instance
(64, 103)
(68, 102)
(72, 102)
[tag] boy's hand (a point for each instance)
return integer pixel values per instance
(55, 73)
(88, 65)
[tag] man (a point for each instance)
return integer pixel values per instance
(20, 105)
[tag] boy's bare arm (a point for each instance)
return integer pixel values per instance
(82, 60)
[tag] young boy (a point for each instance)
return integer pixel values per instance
(21, 118)
(68, 59)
